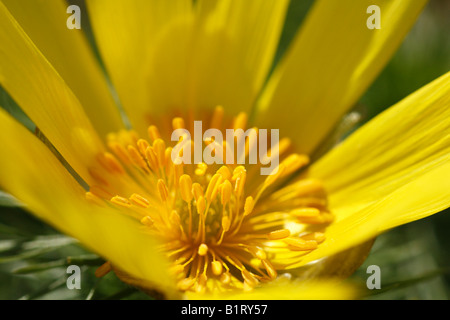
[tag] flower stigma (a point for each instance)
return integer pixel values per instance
(223, 225)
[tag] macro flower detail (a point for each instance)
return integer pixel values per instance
(223, 225)
(100, 168)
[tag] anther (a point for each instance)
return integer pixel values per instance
(319, 237)
(202, 249)
(237, 172)
(201, 284)
(111, 163)
(294, 162)
(147, 221)
(162, 189)
(201, 205)
(213, 187)
(240, 122)
(160, 149)
(120, 151)
(249, 278)
(258, 252)
(226, 223)
(136, 158)
(225, 172)
(197, 190)
(153, 133)
(225, 278)
(274, 176)
(121, 201)
(151, 158)
(271, 272)
(186, 283)
(94, 199)
(239, 185)
(217, 117)
(279, 234)
(186, 188)
(201, 169)
(177, 123)
(225, 192)
(103, 270)
(142, 145)
(248, 206)
(300, 244)
(217, 268)
(139, 200)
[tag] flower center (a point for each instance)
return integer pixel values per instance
(223, 225)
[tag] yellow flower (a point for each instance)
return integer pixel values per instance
(220, 231)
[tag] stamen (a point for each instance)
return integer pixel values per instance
(241, 121)
(150, 155)
(142, 145)
(300, 244)
(139, 200)
(271, 272)
(162, 189)
(153, 133)
(203, 249)
(294, 162)
(186, 283)
(234, 239)
(201, 169)
(136, 158)
(201, 205)
(258, 252)
(186, 188)
(248, 206)
(217, 117)
(319, 237)
(178, 123)
(94, 199)
(160, 149)
(217, 268)
(124, 202)
(197, 190)
(103, 270)
(111, 163)
(274, 176)
(147, 221)
(249, 278)
(279, 234)
(225, 194)
(226, 223)
(224, 172)
(225, 278)
(213, 188)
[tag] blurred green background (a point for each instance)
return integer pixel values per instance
(414, 258)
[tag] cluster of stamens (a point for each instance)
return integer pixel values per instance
(224, 226)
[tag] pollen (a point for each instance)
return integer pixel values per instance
(223, 225)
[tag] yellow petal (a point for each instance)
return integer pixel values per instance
(30, 172)
(330, 64)
(217, 53)
(285, 289)
(69, 53)
(231, 51)
(44, 96)
(126, 33)
(392, 171)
